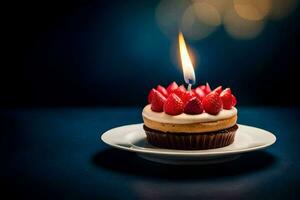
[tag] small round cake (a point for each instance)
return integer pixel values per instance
(190, 120)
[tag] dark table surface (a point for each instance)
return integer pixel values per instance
(57, 153)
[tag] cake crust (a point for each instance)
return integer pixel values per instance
(200, 127)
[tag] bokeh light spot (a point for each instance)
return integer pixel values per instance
(220, 5)
(168, 15)
(199, 20)
(241, 28)
(207, 13)
(252, 9)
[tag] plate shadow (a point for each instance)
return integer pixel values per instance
(129, 163)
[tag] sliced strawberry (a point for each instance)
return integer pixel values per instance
(173, 105)
(193, 106)
(218, 89)
(188, 95)
(182, 88)
(226, 90)
(199, 92)
(180, 91)
(173, 86)
(226, 98)
(207, 88)
(233, 100)
(212, 103)
(202, 87)
(158, 101)
(162, 90)
(150, 95)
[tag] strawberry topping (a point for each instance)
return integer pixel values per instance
(173, 105)
(162, 90)
(173, 86)
(200, 93)
(212, 103)
(150, 95)
(193, 106)
(227, 99)
(188, 95)
(158, 101)
(233, 100)
(218, 90)
(207, 88)
(180, 91)
(175, 100)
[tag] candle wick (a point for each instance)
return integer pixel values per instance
(189, 87)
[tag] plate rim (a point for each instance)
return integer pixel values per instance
(174, 152)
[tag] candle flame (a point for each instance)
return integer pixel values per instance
(187, 66)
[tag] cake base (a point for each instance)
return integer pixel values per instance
(191, 141)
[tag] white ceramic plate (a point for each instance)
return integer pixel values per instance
(133, 138)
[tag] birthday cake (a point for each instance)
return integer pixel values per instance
(200, 118)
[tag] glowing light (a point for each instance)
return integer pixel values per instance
(197, 19)
(187, 66)
(207, 13)
(168, 16)
(200, 20)
(220, 5)
(240, 28)
(252, 9)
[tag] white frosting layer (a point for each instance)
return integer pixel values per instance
(185, 118)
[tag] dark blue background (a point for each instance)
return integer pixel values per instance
(56, 153)
(112, 53)
(90, 53)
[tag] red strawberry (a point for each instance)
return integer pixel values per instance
(150, 95)
(173, 86)
(162, 90)
(180, 91)
(182, 88)
(158, 101)
(233, 100)
(199, 92)
(173, 105)
(218, 89)
(193, 106)
(212, 103)
(188, 95)
(202, 87)
(207, 88)
(226, 98)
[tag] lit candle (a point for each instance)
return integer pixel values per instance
(187, 66)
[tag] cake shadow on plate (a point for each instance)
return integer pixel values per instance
(129, 163)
